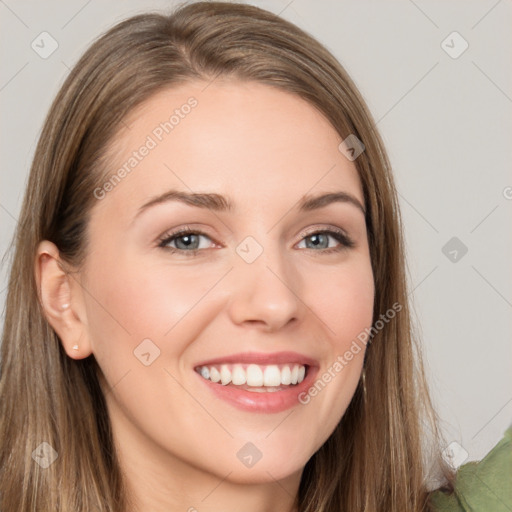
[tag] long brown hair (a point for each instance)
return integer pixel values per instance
(377, 458)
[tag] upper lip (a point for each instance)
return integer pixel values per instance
(262, 358)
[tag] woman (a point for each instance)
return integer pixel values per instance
(208, 304)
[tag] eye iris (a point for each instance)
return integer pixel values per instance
(316, 243)
(188, 244)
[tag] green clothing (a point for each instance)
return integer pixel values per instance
(483, 486)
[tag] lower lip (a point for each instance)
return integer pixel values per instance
(266, 402)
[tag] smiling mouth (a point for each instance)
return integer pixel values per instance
(255, 377)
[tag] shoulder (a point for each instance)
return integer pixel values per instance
(481, 486)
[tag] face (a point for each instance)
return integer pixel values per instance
(268, 292)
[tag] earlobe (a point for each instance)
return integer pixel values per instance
(61, 299)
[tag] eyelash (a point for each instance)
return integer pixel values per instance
(345, 241)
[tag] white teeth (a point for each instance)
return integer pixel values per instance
(254, 375)
(286, 375)
(263, 390)
(270, 377)
(214, 374)
(225, 375)
(238, 376)
(295, 375)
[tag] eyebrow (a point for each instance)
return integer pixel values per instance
(219, 203)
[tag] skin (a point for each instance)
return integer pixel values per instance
(264, 149)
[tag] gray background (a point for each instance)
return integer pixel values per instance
(447, 125)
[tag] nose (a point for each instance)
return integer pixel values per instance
(265, 292)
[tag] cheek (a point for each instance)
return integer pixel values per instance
(343, 300)
(130, 300)
(134, 309)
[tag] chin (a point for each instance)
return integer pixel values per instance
(278, 465)
(263, 474)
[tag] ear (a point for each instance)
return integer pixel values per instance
(61, 297)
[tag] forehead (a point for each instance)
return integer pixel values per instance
(247, 140)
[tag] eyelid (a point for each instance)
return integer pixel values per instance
(344, 240)
(315, 229)
(176, 233)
